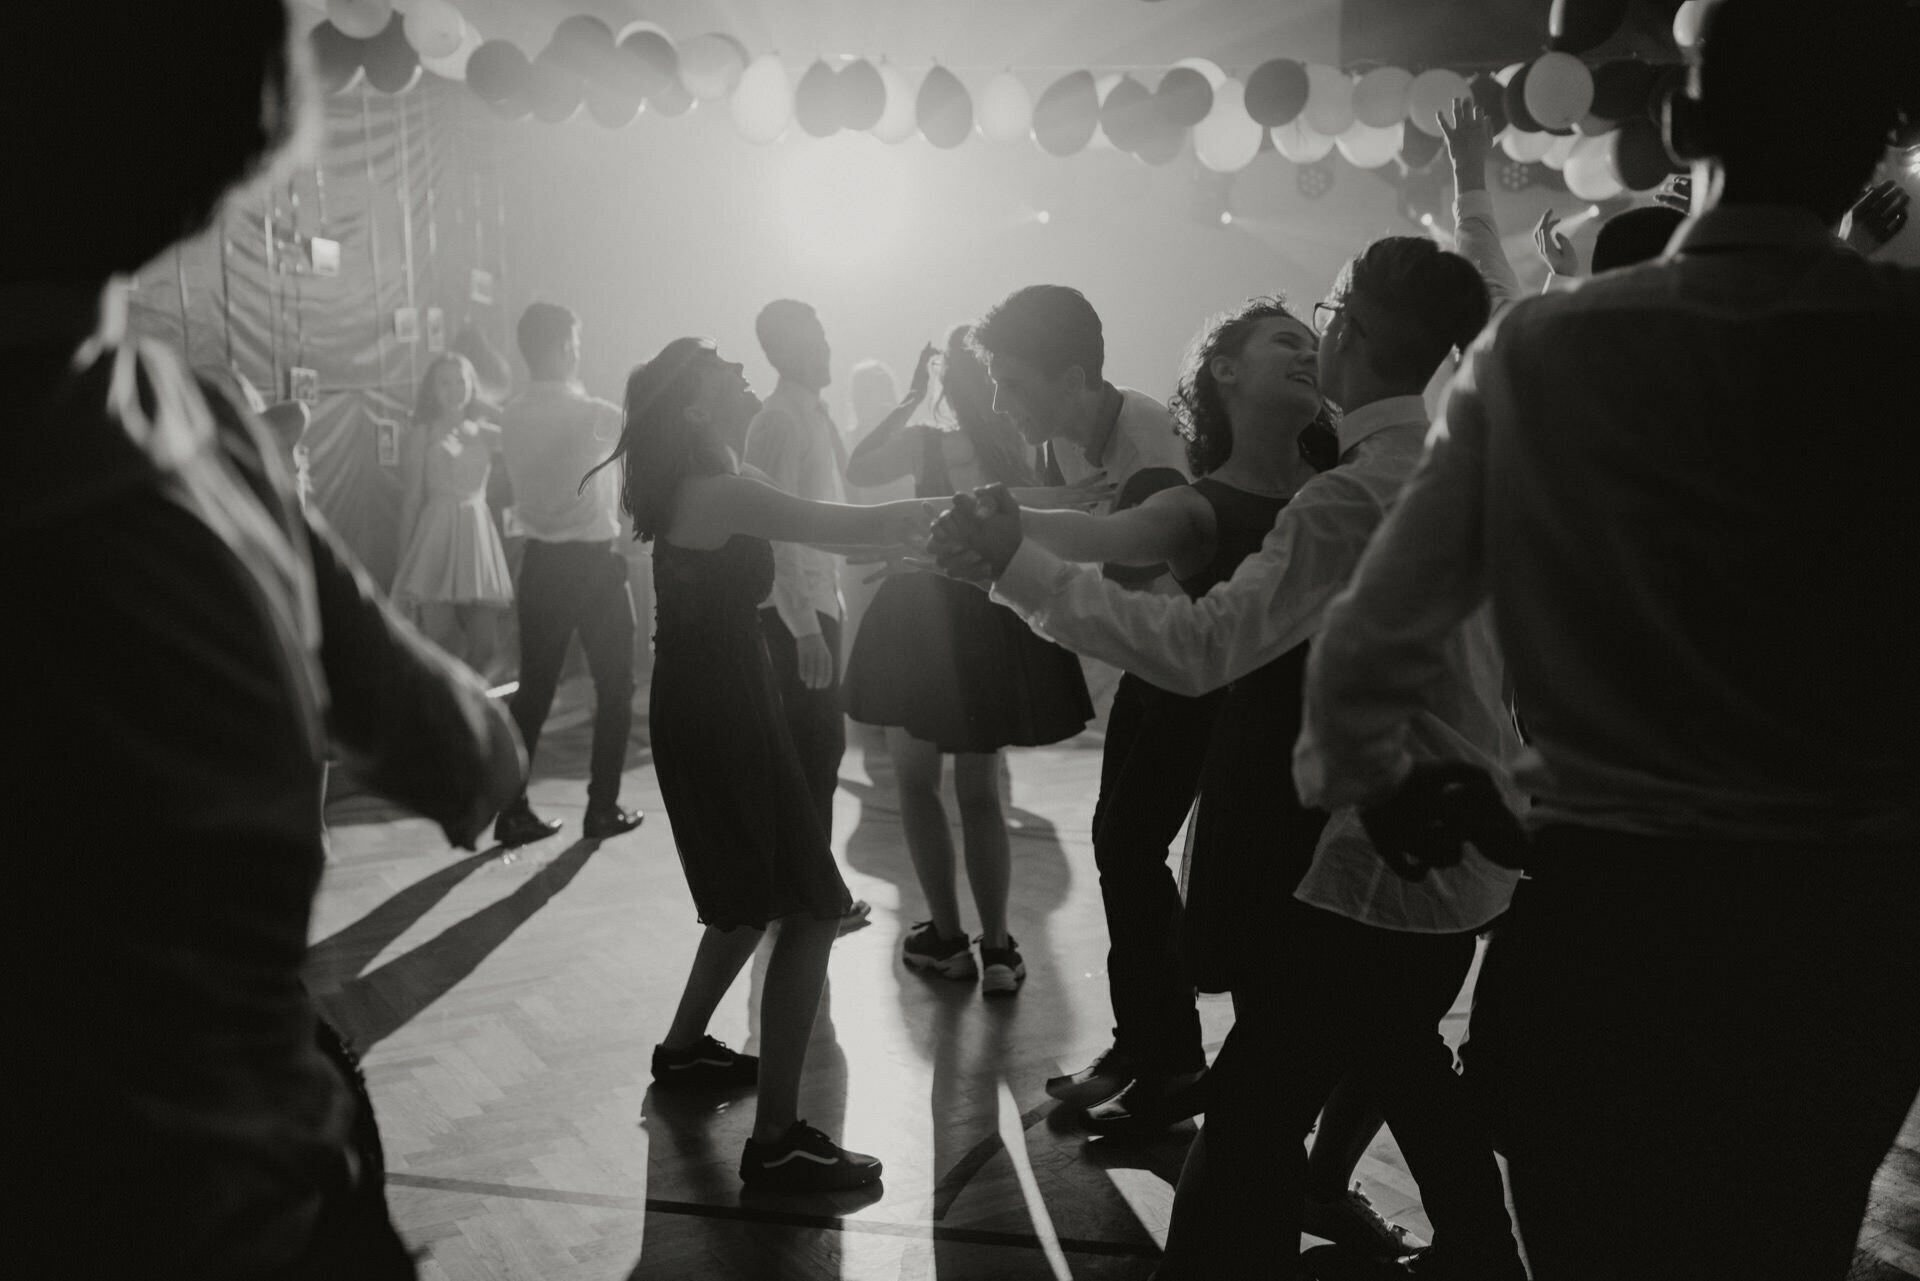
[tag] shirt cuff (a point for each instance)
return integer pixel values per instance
(1028, 583)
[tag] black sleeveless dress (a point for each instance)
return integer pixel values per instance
(1252, 839)
(942, 661)
(742, 817)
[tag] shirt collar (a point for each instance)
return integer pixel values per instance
(1389, 411)
(1750, 227)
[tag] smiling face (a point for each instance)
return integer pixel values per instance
(452, 390)
(1037, 405)
(1275, 376)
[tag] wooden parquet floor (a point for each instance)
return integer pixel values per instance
(507, 1003)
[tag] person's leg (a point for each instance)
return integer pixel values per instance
(481, 623)
(1348, 1125)
(916, 773)
(606, 634)
(796, 974)
(546, 609)
(440, 623)
(989, 852)
(716, 964)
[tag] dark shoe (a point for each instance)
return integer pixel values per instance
(708, 1063)
(612, 821)
(926, 950)
(1350, 1220)
(1105, 1077)
(1439, 1263)
(1146, 1107)
(523, 827)
(1002, 970)
(805, 1160)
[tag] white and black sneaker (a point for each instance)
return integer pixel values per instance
(707, 1063)
(1002, 970)
(805, 1160)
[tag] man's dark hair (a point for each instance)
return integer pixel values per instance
(543, 330)
(1816, 147)
(1636, 236)
(1051, 327)
(775, 325)
(127, 126)
(1425, 301)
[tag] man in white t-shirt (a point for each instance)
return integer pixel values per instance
(1044, 347)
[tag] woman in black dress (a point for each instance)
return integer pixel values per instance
(749, 838)
(948, 671)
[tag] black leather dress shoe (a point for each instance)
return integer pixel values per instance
(1147, 1107)
(523, 827)
(600, 824)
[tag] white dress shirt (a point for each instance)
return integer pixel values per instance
(550, 436)
(794, 442)
(1274, 601)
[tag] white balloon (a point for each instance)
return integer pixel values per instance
(1329, 107)
(1004, 109)
(1380, 96)
(1228, 139)
(900, 120)
(363, 19)
(1687, 21)
(1367, 147)
(1590, 172)
(1206, 67)
(454, 65)
(710, 66)
(1559, 90)
(1524, 145)
(762, 102)
(1555, 157)
(1300, 144)
(434, 28)
(1432, 95)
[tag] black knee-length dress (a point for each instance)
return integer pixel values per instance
(737, 799)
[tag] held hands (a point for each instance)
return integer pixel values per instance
(1439, 809)
(979, 534)
(1877, 217)
(816, 661)
(1468, 140)
(1555, 249)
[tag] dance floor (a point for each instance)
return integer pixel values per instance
(507, 1003)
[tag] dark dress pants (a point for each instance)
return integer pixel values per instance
(1156, 745)
(564, 589)
(816, 718)
(1712, 1046)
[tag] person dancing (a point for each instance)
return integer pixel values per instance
(949, 672)
(737, 798)
(453, 569)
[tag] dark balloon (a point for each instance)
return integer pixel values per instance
(1514, 98)
(944, 109)
(555, 90)
(1067, 113)
(611, 107)
(656, 62)
(1620, 88)
(498, 72)
(1277, 92)
(392, 63)
(1184, 97)
(1578, 25)
(1640, 155)
(1418, 148)
(1491, 97)
(816, 101)
(336, 56)
(1666, 82)
(862, 94)
(1127, 113)
(1161, 142)
(671, 99)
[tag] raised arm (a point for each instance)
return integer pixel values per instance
(892, 449)
(718, 507)
(1171, 527)
(1476, 233)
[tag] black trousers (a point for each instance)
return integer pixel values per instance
(1705, 1034)
(816, 718)
(568, 588)
(1156, 744)
(1345, 998)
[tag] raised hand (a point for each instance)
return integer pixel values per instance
(1468, 140)
(1877, 217)
(922, 371)
(1555, 249)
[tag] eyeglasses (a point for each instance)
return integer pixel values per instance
(1323, 314)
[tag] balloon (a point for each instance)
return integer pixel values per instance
(1277, 91)
(1688, 22)
(1329, 107)
(361, 19)
(1640, 155)
(498, 72)
(1380, 97)
(612, 107)
(1418, 148)
(1589, 170)
(763, 100)
(1126, 113)
(1066, 115)
(711, 65)
(1432, 95)
(897, 121)
(862, 94)
(816, 107)
(671, 99)
(555, 89)
(435, 28)
(1006, 112)
(1578, 25)
(943, 108)
(1162, 140)
(392, 64)
(1102, 86)
(1228, 139)
(1666, 83)
(1556, 156)
(337, 56)
(1367, 147)
(1206, 67)
(1559, 90)
(655, 61)
(579, 35)
(1184, 97)
(1525, 146)
(1620, 88)
(1491, 97)
(1300, 144)
(1505, 75)
(454, 65)
(1515, 101)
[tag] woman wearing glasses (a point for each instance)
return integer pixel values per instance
(747, 831)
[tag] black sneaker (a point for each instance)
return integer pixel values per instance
(707, 1063)
(523, 827)
(1105, 1077)
(1002, 970)
(926, 950)
(612, 821)
(805, 1160)
(1147, 1107)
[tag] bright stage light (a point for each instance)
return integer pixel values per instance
(1043, 217)
(845, 202)
(1226, 218)
(1426, 220)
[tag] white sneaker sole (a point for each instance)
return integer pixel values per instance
(1001, 980)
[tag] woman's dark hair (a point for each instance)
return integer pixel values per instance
(426, 405)
(659, 445)
(967, 393)
(1199, 412)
